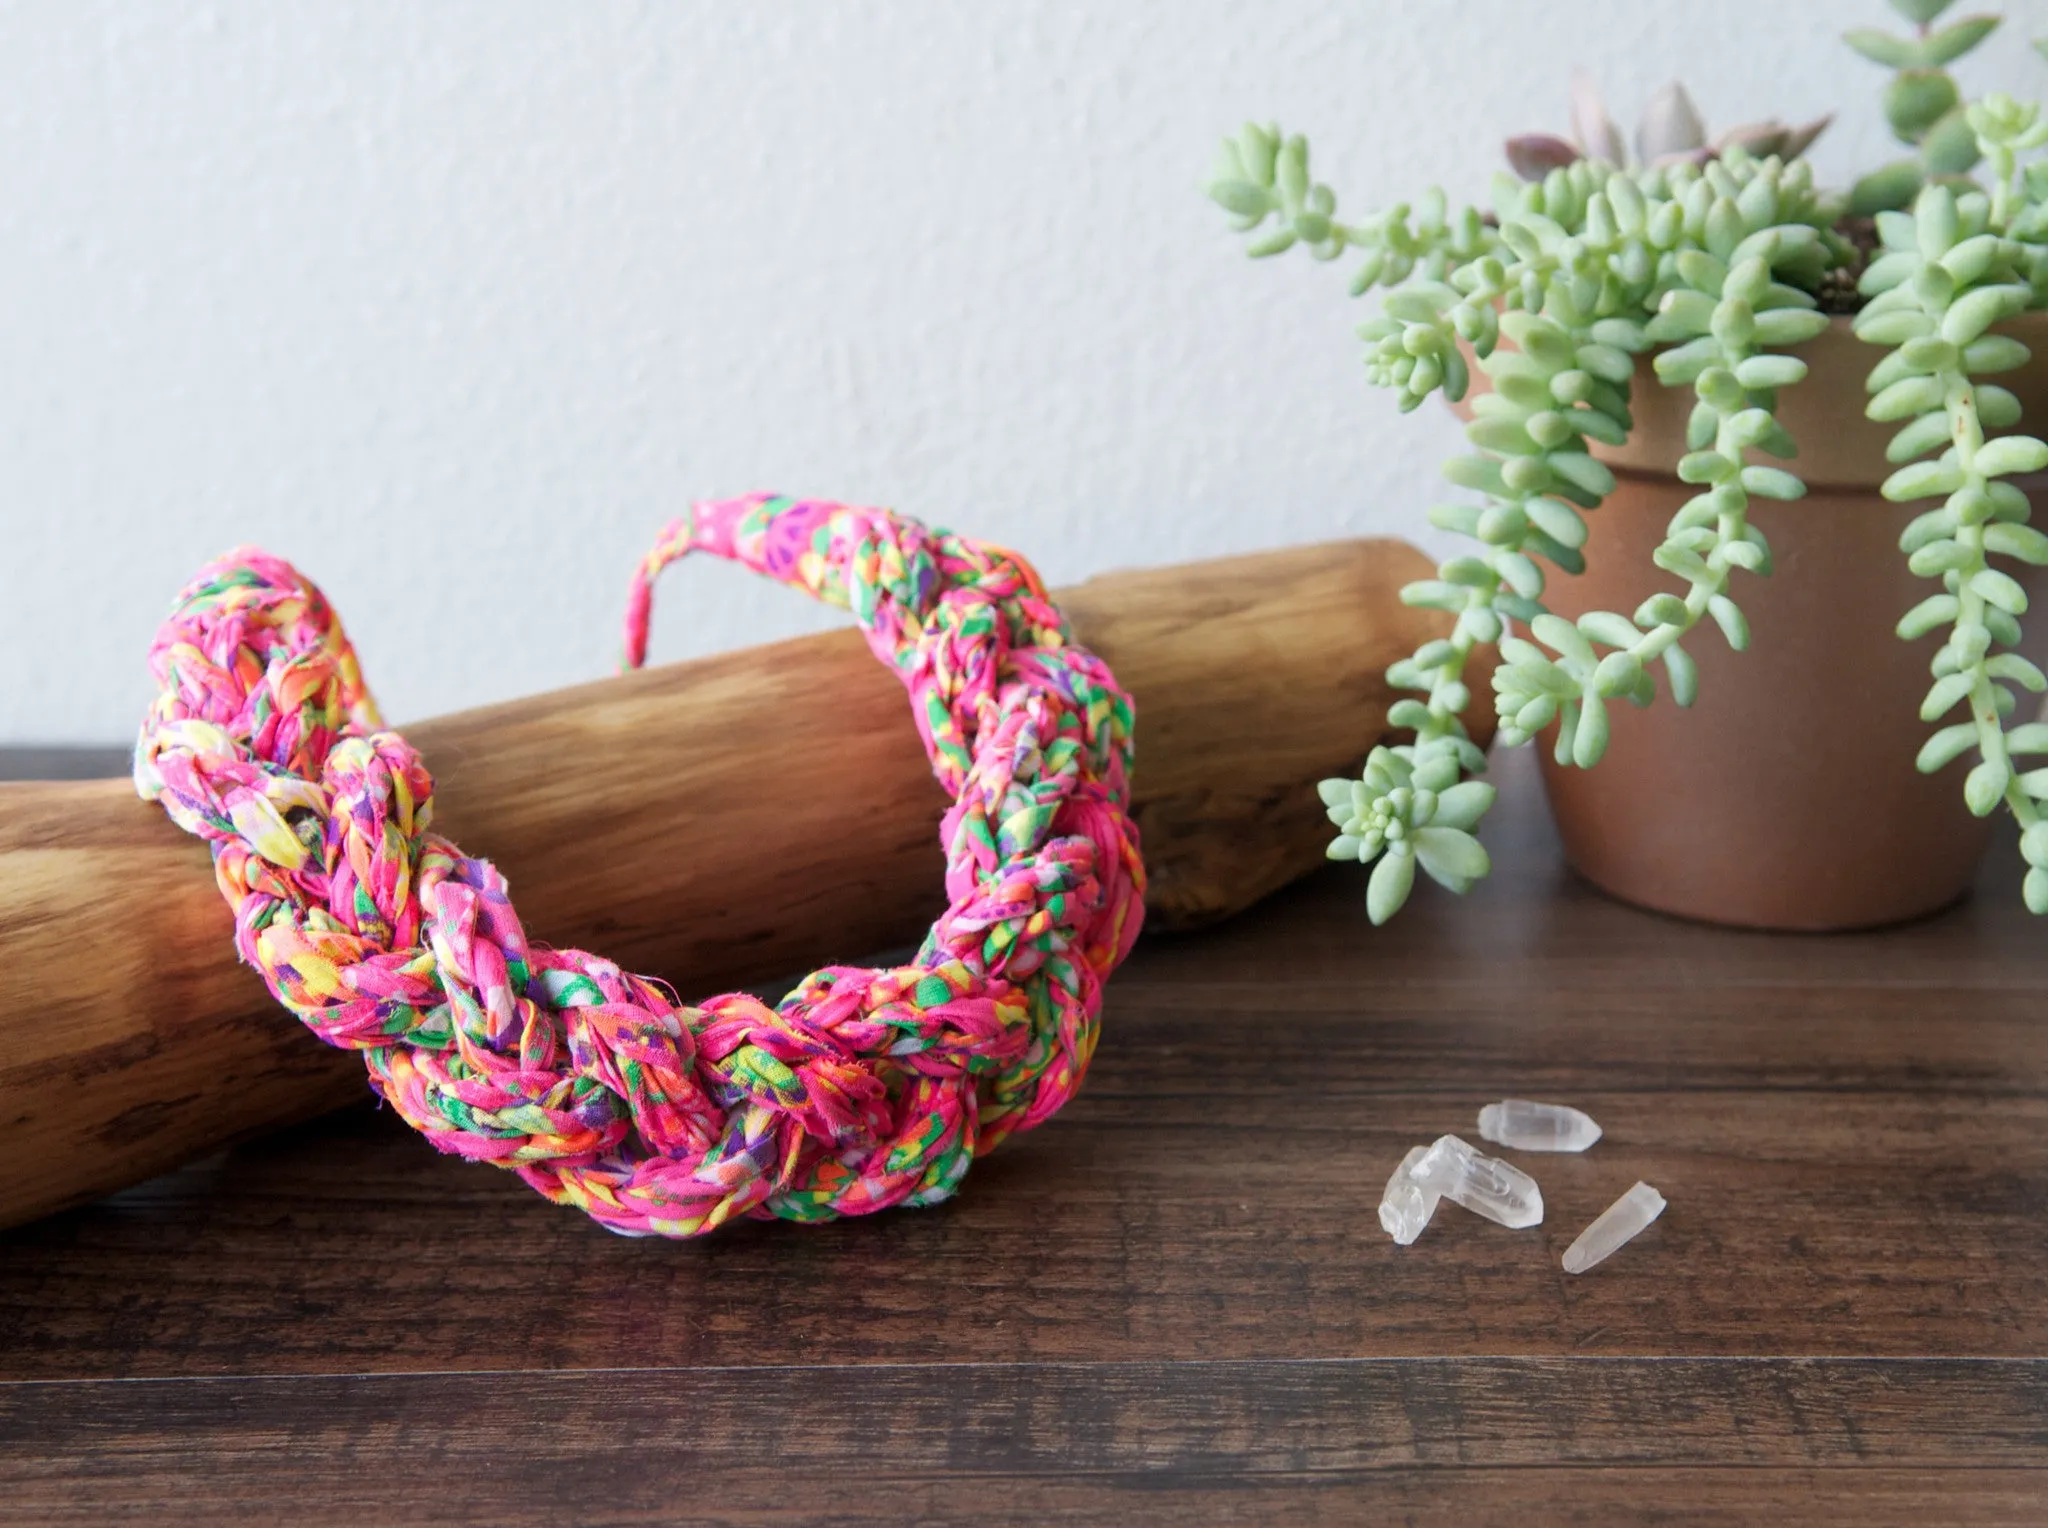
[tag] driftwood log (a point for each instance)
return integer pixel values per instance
(719, 823)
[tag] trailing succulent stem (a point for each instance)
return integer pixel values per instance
(1922, 104)
(1580, 272)
(1945, 275)
(1261, 174)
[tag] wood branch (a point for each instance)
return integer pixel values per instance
(719, 823)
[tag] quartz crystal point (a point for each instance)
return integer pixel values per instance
(1526, 1126)
(1408, 1203)
(1619, 1224)
(1484, 1185)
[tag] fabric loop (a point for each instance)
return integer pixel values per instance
(863, 1088)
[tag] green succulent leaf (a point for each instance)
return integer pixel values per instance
(2012, 668)
(1999, 589)
(1907, 398)
(1887, 189)
(1945, 747)
(1950, 145)
(1789, 326)
(1763, 373)
(1278, 242)
(1451, 856)
(1883, 48)
(1683, 674)
(1589, 738)
(1242, 198)
(1995, 353)
(2011, 454)
(1916, 99)
(1609, 629)
(1729, 617)
(1974, 312)
(1985, 786)
(1935, 611)
(1922, 480)
(1948, 692)
(2030, 738)
(1957, 38)
(1772, 483)
(1392, 879)
(1463, 805)
(2018, 541)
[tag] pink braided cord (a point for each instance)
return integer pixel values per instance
(863, 1088)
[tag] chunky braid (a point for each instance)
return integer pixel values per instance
(862, 1088)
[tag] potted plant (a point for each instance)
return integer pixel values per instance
(1652, 340)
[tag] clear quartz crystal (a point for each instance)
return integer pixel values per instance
(1484, 1185)
(1408, 1203)
(1619, 1224)
(1525, 1126)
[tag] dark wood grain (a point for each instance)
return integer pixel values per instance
(634, 1443)
(1174, 1302)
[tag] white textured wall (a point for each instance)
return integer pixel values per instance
(454, 303)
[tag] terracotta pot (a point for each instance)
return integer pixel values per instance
(1785, 797)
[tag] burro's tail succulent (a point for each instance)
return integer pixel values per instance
(1712, 264)
(1944, 275)
(1922, 103)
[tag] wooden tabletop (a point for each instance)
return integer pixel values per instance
(1174, 1302)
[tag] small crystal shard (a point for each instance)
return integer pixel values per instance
(1619, 1224)
(1484, 1185)
(1406, 1206)
(1525, 1126)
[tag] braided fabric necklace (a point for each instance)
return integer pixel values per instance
(861, 1089)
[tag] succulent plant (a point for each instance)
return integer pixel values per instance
(1669, 131)
(1922, 103)
(1945, 274)
(1710, 256)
